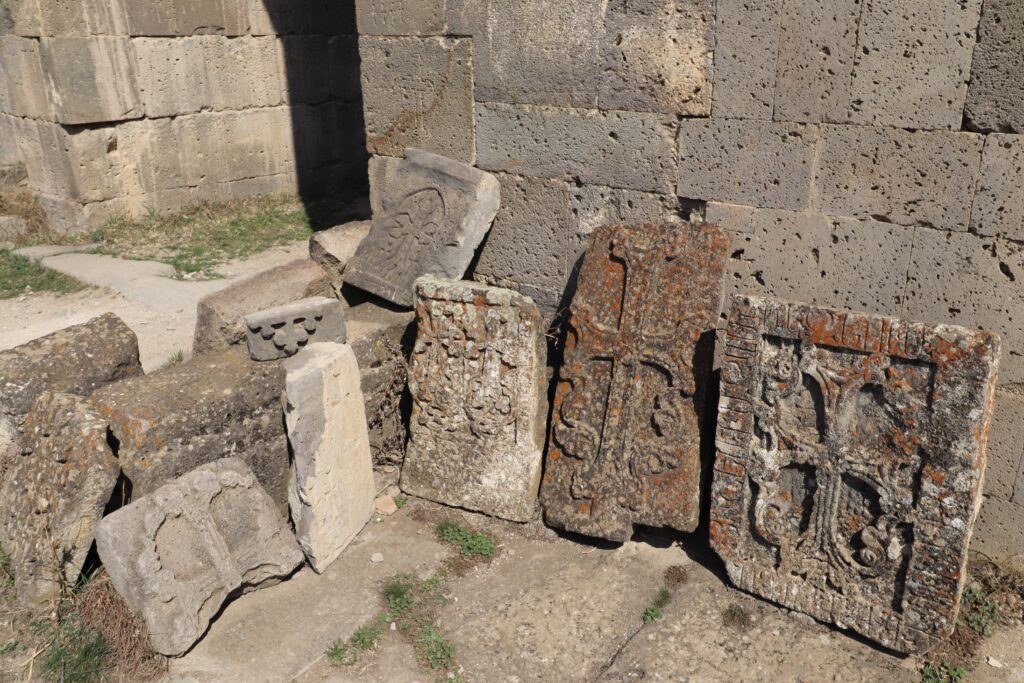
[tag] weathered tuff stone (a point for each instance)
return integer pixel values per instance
(477, 378)
(334, 248)
(219, 321)
(995, 100)
(851, 451)
(75, 360)
(400, 17)
(331, 489)
(55, 492)
(177, 555)
(625, 435)
(280, 332)
(209, 407)
(91, 80)
(435, 211)
(746, 55)
(998, 207)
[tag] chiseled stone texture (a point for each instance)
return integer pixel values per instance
(851, 452)
(433, 214)
(418, 92)
(186, 17)
(334, 248)
(75, 360)
(769, 165)
(746, 51)
(1005, 447)
(997, 532)
(283, 331)
(625, 434)
(209, 407)
(995, 100)
(478, 378)
(178, 554)
(59, 482)
(617, 148)
(906, 177)
(91, 80)
(999, 200)
(400, 17)
(331, 489)
(22, 79)
(914, 62)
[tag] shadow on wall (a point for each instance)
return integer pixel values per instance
(321, 60)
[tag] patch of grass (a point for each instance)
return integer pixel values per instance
(176, 358)
(6, 571)
(664, 596)
(8, 647)
(400, 501)
(366, 637)
(19, 275)
(978, 611)
(399, 595)
(736, 617)
(433, 650)
(77, 653)
(653, 614)
(22, 202)
(470, 544)
(339, 653)
(943, 673)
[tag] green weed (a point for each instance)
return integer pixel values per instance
(366, 637)
(19, 275)
(400, 501)
(339, 653)
(943, 673)
(653, 614)
(469, 543)
(77, 654)
(979, 613)
(433, 649)
(399, 594)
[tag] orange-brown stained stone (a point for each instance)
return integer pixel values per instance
(859, 477)
(625, 436)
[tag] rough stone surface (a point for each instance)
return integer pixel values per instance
(210, 407)
(334, 248)
(997, 532)
(220, 315)
(177, 555)
(617, 148)
(92, 80)
(12, 175)
(12, 227)
(478, 380)
(591, 206)
(851, 451)
(186, 17)
(331, 488)
(400, 17)
(907, 177)
(913, 63)
(54, 494)
(995, 100)
(283, 331)
(418, 92)
(999, 200)
(75, 360)
(434, 213)
(746, 52)
(625, 435)
(763, 164)
(1005, 447)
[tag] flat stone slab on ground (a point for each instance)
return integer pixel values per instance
(478, 379)
(334, 248)
(59, 482)
(178, 554)
(331, 489)
(282, 331)
(625, 435)
(851, 452)
(435, 212)
(38, 253)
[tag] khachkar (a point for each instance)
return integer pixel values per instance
(435, 212)
(477, 378)
(851, 452)
(625, 439)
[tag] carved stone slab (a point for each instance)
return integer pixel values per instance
(625, 434)
(477, 378)
(178, 554)
(435, 212)
(280, 332)
(851, 452)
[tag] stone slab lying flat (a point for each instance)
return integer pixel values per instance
(851, 452)
(435, 212)
(331, 489)
(478, 379)
(178, 554)
(625, 434)
(282, 331)
(334, 248)
(60, 480)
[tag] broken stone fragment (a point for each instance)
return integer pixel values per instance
(178, 554)
(478, 380)
(333, 248)
(59, 482)
(280, 332)
(851, 454)
(626, 426)
(331, 488)
(434, 213)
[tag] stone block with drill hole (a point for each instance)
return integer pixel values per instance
(851, 454)
(210, 407)
(331, 488)
(478, 380)
(626, 424)
(435, 212)
(178, 554)
(58, 484)
(281, 332)
(334, 248)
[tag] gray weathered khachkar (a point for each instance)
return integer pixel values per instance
(436, 212)
(477, 378)
(625, 434)
(851, 453)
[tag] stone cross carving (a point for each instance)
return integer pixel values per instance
(625, 439)
(850, 462)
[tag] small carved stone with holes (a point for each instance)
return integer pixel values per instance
(280, 332)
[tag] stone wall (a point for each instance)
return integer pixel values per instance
(862, 154)
(129, 106)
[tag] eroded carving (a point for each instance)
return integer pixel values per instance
(281, 332)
